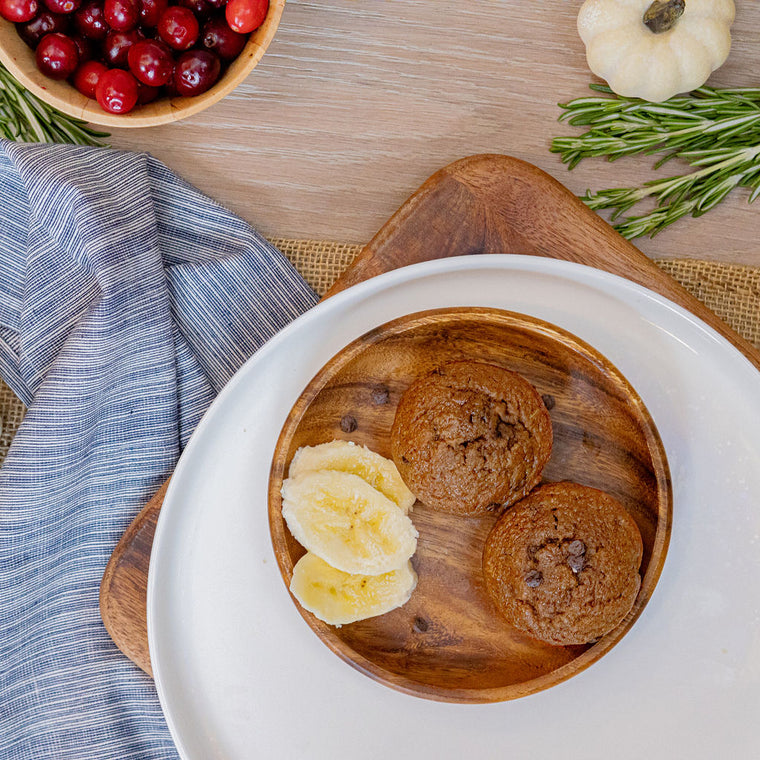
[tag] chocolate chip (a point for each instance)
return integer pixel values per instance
(380, 395)
(533, 578)
(420, 625)
(348, 423)
(576, 563)
(576, 548)
(549, 401)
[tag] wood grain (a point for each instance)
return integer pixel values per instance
(358, 101)
(124, 586)
(481, 204)
(448, 642)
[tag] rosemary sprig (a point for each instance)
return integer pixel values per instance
(25, 118)
(716, 132)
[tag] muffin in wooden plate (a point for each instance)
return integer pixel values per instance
(471, 438)
(563, 564)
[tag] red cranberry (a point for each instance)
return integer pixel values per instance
(90, 20)
(220, 39)
(246, 15)
(84, 48)
(43, 23)
(201, 8)
(151, 62)
(86, 77)
(57, 56)
(62, 6)
(121, 15)
(116, 47)
(18, 11)
(116, 91)
(151, 10)
(195, 72)
(178, 27)
(146, 94)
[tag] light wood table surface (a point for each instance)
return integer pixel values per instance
(357, 102)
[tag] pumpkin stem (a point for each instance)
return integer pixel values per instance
(663, 14)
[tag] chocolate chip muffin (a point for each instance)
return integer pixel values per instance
(563, 563)
(471, 437)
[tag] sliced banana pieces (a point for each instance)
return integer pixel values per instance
(347, 456)
(349, 524)
(338, 598)
(349, 507)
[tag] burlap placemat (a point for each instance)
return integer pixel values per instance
(731, 291)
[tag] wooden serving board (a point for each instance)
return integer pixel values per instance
(481, 204)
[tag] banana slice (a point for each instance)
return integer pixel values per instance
(348, 523)
(347, 456)
(338, 598)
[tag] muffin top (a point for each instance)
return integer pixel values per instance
(563, 564)
(471, 437)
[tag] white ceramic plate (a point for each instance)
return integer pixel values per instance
(241, 675)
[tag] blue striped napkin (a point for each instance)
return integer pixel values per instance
(127, 300)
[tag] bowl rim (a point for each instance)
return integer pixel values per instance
(18, 58)
(662, 496)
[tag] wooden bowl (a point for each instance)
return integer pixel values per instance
(18, 58)
(449, 642)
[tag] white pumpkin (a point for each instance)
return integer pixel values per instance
(655, 66)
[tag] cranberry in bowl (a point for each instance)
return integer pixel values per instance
(181, 61)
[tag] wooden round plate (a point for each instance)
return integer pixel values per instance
(449, 642)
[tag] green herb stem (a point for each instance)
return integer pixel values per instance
(26, 118)
(716, 132)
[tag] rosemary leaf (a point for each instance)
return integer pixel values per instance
(715, 132)
(26, 118)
